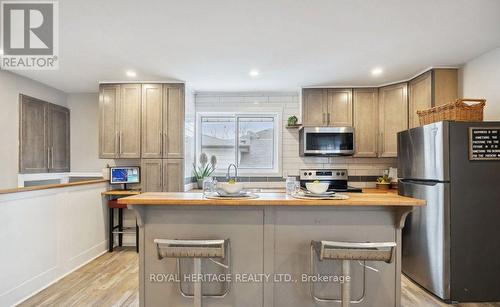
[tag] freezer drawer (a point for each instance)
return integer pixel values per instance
(426, 236)
(423, 152)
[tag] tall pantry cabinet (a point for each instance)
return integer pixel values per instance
(145, 121)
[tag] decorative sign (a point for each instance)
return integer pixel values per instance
(484, 143)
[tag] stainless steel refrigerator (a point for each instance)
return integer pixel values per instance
(451, 247)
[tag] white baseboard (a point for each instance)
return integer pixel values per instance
(53, 275)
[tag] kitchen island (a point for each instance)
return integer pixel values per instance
(270, 248)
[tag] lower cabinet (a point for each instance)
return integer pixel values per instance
(162, 175)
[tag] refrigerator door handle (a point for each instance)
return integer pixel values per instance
(420, 182)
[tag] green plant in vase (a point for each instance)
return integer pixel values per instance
(204, 169)
(292, 121)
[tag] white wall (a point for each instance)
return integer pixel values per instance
(288, 104)
(85, 132)
(11, 85)
(47, 234)
(480, 78)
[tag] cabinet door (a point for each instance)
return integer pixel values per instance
(129, 119)
(339, 111)
(393, 112)
(365, 122)
(419, 97)
(173, 175)
(109, 98)
(314, 107)
(445, 85)
(33, 150)
(173, 121)
(151, 175)
(58, 138)
(152, 121)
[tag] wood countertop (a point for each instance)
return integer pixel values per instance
(270, 199)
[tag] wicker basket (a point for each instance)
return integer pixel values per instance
(458, 111)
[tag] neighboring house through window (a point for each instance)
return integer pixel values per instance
(249, 140)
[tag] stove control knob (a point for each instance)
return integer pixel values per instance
(305, 173)
(310, 174)
(338, 173)
(342, 173)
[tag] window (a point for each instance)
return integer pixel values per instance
(248, 140)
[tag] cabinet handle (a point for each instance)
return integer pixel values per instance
(117, 144)
(48, 157)
(161, 143)
(381, 145)
(120, 142)
(323, 119)
(52, 157)
(328, 118)
(165, 141)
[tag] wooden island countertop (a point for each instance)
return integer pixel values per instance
(269, 199)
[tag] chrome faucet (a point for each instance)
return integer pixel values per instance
(228, 177)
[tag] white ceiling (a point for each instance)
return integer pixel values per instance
(214, 44)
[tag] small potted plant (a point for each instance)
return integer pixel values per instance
(384, 182)
(292, 121)
(205, 169)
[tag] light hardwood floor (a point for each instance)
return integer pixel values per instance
(112, 280)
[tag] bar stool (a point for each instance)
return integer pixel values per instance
(345, 252)
(119, 229)
(197, 250)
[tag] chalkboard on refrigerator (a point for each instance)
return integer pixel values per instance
(484, 143)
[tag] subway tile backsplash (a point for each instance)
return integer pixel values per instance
(362, 171)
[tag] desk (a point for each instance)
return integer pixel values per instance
(113, 196)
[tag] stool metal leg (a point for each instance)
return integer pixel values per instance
(346, 285)
(197, 283)
(110, 231)
(120, 226)
(136, 236)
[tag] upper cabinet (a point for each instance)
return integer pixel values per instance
(327, 107)
(433, 88)
(173, 121)
(378, 114)
(393, 117)
(58, 138)
(339, 107)
(129, 122)
(109, 98)
(44, 136)
(314, 107)
(365, 110)
(444, 85)
(163, 121)
(120, 121)
(141, 121)
(419, 97)
(152, 119)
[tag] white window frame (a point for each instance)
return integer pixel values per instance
(276, 171)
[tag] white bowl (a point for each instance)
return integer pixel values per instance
(231, 188)
(317, 188)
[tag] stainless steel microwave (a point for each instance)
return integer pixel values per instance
(326, 141)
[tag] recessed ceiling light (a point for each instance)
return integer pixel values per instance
(377, 71)
(253, 73)
(130, 73)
